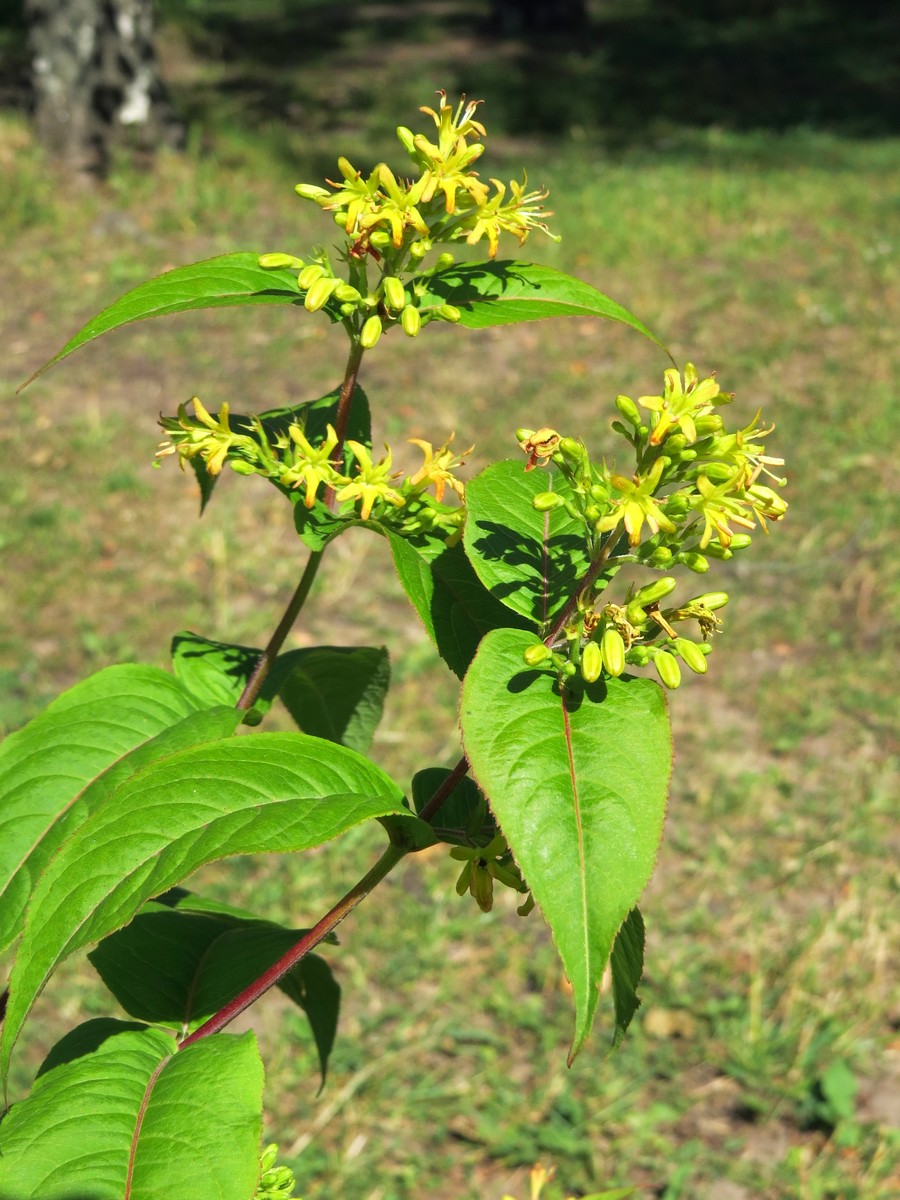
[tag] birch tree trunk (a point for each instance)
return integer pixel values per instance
(95, 80)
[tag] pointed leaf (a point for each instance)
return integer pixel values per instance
(627, 966)
(274, 792)
(336, 692)
(505, 292)
(456, 609)
(46, 769)
(106, 1119)
(578, 783)
(531, 561)
(215, 672)
(224, 281)
(313, 987)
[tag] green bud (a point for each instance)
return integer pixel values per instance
(310, 191)
(629, 410)
(568, 669)
(371, 332)
(449, 312)
(319, 294)
(523, 434)
(635, 615)
(419, 249)
(694, 561)
(573, 510)
(591, 663)
(340, 218)
(347, 292)
(718, 551)
(242, 468)
(406, 137)
(675, 443)
(394, 294)
(348, 309)
(444, 261)
(639, 656)
(667, 667)
(310, 274)
(740, 541)
(709, 424)
(650, 593)
(536, 654)
(572, 451)
(660, 557)
(411, 321)
(545, 501)
(712, 600)
(270, 262)
(379, 239)
(620, 428)
(593, 513)
(677, 506)
(612, 648)
(692, 655)
(599, 493)
(686, 456)
(718, 472)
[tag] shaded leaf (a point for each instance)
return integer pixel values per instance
(627, 966)
(221, 282)
(313, 987)
(52, 771)
(506, 292)
(271, 792)
(463, 819)
(335, 692)
(577, 781)
(531, 561)
(106, 1119)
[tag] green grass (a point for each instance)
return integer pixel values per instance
(773, 260)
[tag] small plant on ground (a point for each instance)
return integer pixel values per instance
(556, 585)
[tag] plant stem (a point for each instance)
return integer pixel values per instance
(309, 941)
(431, 808)
(572, 603)
(276, 641)
(268, 656)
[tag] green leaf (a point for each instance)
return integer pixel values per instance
(215, 672)
(52, 771)
(272, 792)
(463, 819)
(312, 986)
(531, 561)
(107, 1120)
(336, 692)
(627, 966)
(222, 282)
(177, 968)
(505, 292)
(577, 781)
(456, 609)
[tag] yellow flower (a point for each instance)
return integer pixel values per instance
(720, 506)
(204, 436)
(635, 505)
(681, 404)
(371, 482)
(438, 467)
(517, 216)
(452, 126)
(310, 465)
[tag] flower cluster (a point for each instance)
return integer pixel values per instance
(693, 496)
(295, 462)
(394, 222)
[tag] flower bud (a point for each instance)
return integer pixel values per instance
(668, 669)
(629, 410)
(635, 615)
(591, 663)
(536, 654)
(660, 557)
(766, 501)
(523, 434)
(692, 655)
(394, 295)
(568, 669)
(612, 648)
(420, 249)
(406, 137)
(379, 239)
(270, 262)
(740, 541)
(371, 332)
(444, 261)
(639, 656)
(545, 501)
(348, 309)
(347, 169)
(718, 472)
(718, 551)
(712, 600)
(340, 219)
(411, 321)
(310, 274)
(650, 593)
(675, 443)
(694, 561)
(676, 506)
(310, 191)
(709, 424)
(346, 293)
(242, 468)
(449, 312)
(319, 294)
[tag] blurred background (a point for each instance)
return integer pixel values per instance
(731, 173)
